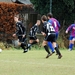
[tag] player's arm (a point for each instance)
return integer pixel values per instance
(68, 29)
(43, 32)
(17, 31)
(24, 31)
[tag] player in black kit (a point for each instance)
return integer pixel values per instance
(49, 33)
(20, 33)
(32, 35)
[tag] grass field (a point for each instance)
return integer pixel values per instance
(15, 62)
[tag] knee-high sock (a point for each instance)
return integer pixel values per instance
(47, 50)
(22, 46)
(71, 46)
(51, 46)
(57, 50)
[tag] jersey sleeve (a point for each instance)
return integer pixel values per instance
(17, 29)
(69, 28)
(24, 29)
(58, 24)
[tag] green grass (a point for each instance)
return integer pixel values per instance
(15, 62)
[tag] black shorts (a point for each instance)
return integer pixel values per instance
(51, 38)
(32, 38)
(21, 39)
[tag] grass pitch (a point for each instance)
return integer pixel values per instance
(15, 62)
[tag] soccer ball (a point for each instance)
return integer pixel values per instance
(0, 50)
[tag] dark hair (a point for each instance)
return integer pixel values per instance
(50, 15)
(16, 15)
(44, 18)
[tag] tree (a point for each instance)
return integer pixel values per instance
(61, 9)
(41, 6)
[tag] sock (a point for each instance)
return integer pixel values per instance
(29, 45)
(71, 46)
(57, 50)
(22, 46)
(47, 50)
(51, 46)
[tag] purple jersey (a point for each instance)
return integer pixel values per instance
(71, 28)
(55, 24)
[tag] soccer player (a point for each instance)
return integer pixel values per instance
(32, 35)
(20, 33)
(71, 28)
(55, 23)
(50, 35)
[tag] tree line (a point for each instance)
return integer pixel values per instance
(63, 10)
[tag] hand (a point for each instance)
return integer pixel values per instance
(14, 35)
(43, 33)
(66, 32)
(23, 36)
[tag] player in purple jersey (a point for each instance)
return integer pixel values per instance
(71, 28)
(55, 23)
(50, 35)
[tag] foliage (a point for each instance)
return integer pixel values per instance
(61, 9)
(7, 12)
(41, 6)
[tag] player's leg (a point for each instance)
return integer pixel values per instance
(22, 44)
(32, 41)
(51, 47)
(57, 50)
(57, 34)
(46, 48)
(71, 43)
(53, 36)
(35, 40)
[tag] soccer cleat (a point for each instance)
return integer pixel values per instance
(26, 50)
(59, 57)
(48, 55)
(69, 49)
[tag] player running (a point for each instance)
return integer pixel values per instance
(20, 33)
(71, 28)
(50, 35)
(32, 35)
(55, 23)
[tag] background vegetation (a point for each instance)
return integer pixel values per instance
(63, 10)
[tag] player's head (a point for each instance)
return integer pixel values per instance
(49, 15)
(38, 22)
(16, 18)
(43, 18)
